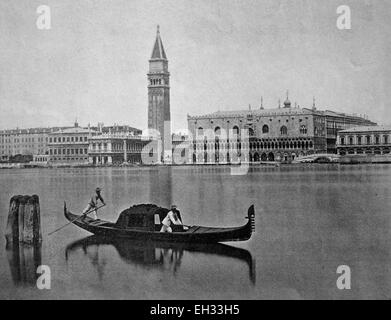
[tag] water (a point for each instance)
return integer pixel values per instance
(309, 220)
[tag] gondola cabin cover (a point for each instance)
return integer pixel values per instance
(146, 217)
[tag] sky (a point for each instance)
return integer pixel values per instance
(223, 55)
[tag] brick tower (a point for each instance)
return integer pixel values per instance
(159, 115)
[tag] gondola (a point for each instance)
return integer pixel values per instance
(143, 222)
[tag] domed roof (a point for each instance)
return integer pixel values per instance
(287, 102)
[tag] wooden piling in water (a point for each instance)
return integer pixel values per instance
(24, 221)
(24, 260)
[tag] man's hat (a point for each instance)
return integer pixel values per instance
(173, 206)
(98, 189)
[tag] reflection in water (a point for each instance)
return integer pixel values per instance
(160, 184)
(160, 255)
(310, 219)
(24, 260)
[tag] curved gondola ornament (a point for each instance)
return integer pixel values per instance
(148, 230)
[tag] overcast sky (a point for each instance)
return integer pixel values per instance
(223, 55)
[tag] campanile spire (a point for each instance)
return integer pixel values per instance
(158, 49)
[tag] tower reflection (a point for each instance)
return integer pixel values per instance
(160, 184)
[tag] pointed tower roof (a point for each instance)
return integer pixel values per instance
(158, 50)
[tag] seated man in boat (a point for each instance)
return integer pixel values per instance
(172, 217)
(93, 204)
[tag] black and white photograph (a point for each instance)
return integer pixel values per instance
(178, 150)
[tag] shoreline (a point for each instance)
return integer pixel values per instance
(252, 165)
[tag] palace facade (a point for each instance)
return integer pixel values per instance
(372, 140)
(24, 142)
(116, 148)
(70, 145)
(280, 134)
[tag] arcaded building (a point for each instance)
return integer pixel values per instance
(367, 140)
(116, 148)
(279, 134)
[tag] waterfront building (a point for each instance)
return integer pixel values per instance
(180, 148)
(159, 114)
(57, 144)
(23, 142)
(116, 128)
(69, 145)
(365, 140)
(279, 134)
(116, 148)
(40, 160)
(336, 121)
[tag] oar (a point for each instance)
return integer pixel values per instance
(89, 211)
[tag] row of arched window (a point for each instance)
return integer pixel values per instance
(259, 145)
(68, 151)
(282, 145)
(363, 140)
(217, 130)
(68, 139)
(265, 130)
(252, 157)
(380, 150)
(156, 82)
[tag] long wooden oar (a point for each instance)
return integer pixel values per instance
(83, 215)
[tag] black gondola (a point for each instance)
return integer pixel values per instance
(143, 222)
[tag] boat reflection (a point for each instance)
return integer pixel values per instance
(24, 260)
(166, 256)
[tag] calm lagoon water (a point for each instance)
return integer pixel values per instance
(309, 220)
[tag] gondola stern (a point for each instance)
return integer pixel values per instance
(66, 212)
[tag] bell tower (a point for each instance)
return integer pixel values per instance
(159, 114)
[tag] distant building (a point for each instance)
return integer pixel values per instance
(365, 140)
(336, 121)
(116, 148)
(23, 142)
(178, 138)
(180, 148)
(70, 145)
(40, 160)
(57, 144)
(279, 134)
(116, 128)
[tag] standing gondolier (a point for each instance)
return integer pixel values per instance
(172, 217)
(93, 204)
